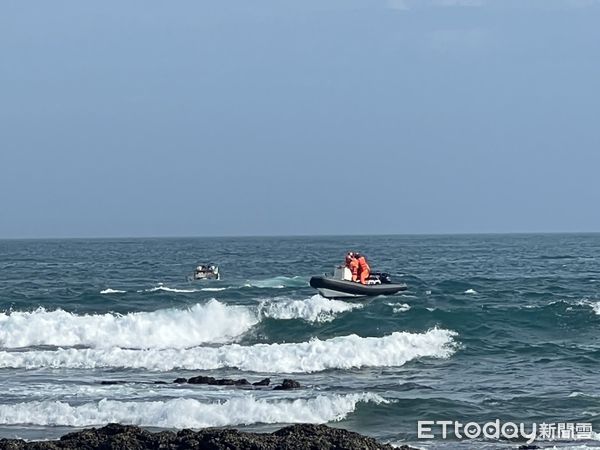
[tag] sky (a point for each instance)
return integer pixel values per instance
(278, 117)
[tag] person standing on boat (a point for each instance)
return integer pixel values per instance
(363, 268)
(352, 264)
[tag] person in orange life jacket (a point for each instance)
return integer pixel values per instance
(363, 268)
(352, 264)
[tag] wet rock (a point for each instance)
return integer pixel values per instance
(180, 380)
(202, 380)
(112, 382)
(287, 384)
(115, 436)
(218, 382)
(263, 382)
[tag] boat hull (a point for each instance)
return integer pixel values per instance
(206, 276)
(332, 288)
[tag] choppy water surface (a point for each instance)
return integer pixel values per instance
(492, 327)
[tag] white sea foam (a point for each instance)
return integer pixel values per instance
(470, 291)
(185, 412)
(584, 394)
(160, 287)
(210, 289)
(168, 328)
(343, 352)
(277, 282)
(133, 390)
(595, 436)
(595, 305)
(314, 309)
(112, 291)
(399, 307)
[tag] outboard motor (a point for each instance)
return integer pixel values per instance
(381, 278)
(385, 278)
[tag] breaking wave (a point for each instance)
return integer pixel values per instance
(344, 352)
(212, 322)
(314, 309)
(186, 413)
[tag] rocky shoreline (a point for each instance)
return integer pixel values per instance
(115, 436)
(129, 437)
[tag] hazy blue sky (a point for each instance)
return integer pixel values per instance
(148, 118)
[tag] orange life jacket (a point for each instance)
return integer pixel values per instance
(362, 264)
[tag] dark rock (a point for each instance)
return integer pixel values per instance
(287, 384)
(201, 380)
(111, 382)
(160, 382)
(122, 437)
(180, 380)
(217, 382)
(528, 447)
(263, 382)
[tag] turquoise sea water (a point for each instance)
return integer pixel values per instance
(492, 327)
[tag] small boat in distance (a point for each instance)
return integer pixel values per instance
(340, 285)
(207, 272)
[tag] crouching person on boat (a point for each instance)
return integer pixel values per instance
(364, 271)
(358, 266)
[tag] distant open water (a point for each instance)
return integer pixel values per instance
(492, 327)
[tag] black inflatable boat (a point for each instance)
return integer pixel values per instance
(330, 287)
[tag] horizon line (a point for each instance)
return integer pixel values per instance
(325, 235)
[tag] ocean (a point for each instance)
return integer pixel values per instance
(492, 327)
